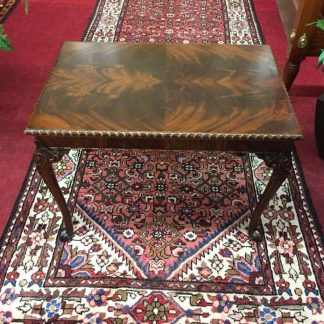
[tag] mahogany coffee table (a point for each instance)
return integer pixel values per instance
(213, 97)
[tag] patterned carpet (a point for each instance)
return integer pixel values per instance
(161, 237)
(5, 7)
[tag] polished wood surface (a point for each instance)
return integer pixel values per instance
(156, 91)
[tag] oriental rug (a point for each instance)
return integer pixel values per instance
(5, 7)
(160, 236)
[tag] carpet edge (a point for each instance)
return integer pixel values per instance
(11, 218)
(90, 20)
(257, 22)
(308, 196)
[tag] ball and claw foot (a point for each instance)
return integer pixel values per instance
(256, 234)
(65, 235)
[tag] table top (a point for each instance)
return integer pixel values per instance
(213, 91)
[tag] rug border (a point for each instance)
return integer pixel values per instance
(8, 11)
(319, 226)
(257, 22)
(90, 20)
(11, 219)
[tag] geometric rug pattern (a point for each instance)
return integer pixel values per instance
(161, 236)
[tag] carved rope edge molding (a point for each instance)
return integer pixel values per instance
(116, 134)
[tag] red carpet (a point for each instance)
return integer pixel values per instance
(37, 38)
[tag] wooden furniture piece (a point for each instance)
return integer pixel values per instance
(305, 40)
(214, 97)
(319, 125)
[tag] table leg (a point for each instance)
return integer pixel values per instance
(281, 165)
(44, 159)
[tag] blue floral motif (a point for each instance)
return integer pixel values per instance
(53, 308)
(97, 297)
(65, 256)
(222, 304)
(244, 268)
(82, 274)
(77, 261)
(283, 287)
(315, 305)
(92, 319)
(248, 269)
(268, 315)
(236, 280)
(310, 287)
(257, 263)
(5, 317)
(8, 296)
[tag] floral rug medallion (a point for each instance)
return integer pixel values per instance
(162, 216)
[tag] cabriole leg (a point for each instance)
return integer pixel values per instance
(281, 165)
(44, 159)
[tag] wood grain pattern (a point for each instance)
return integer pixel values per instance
(114, 89)
(214, 97)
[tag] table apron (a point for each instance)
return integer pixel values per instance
(236, 145)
